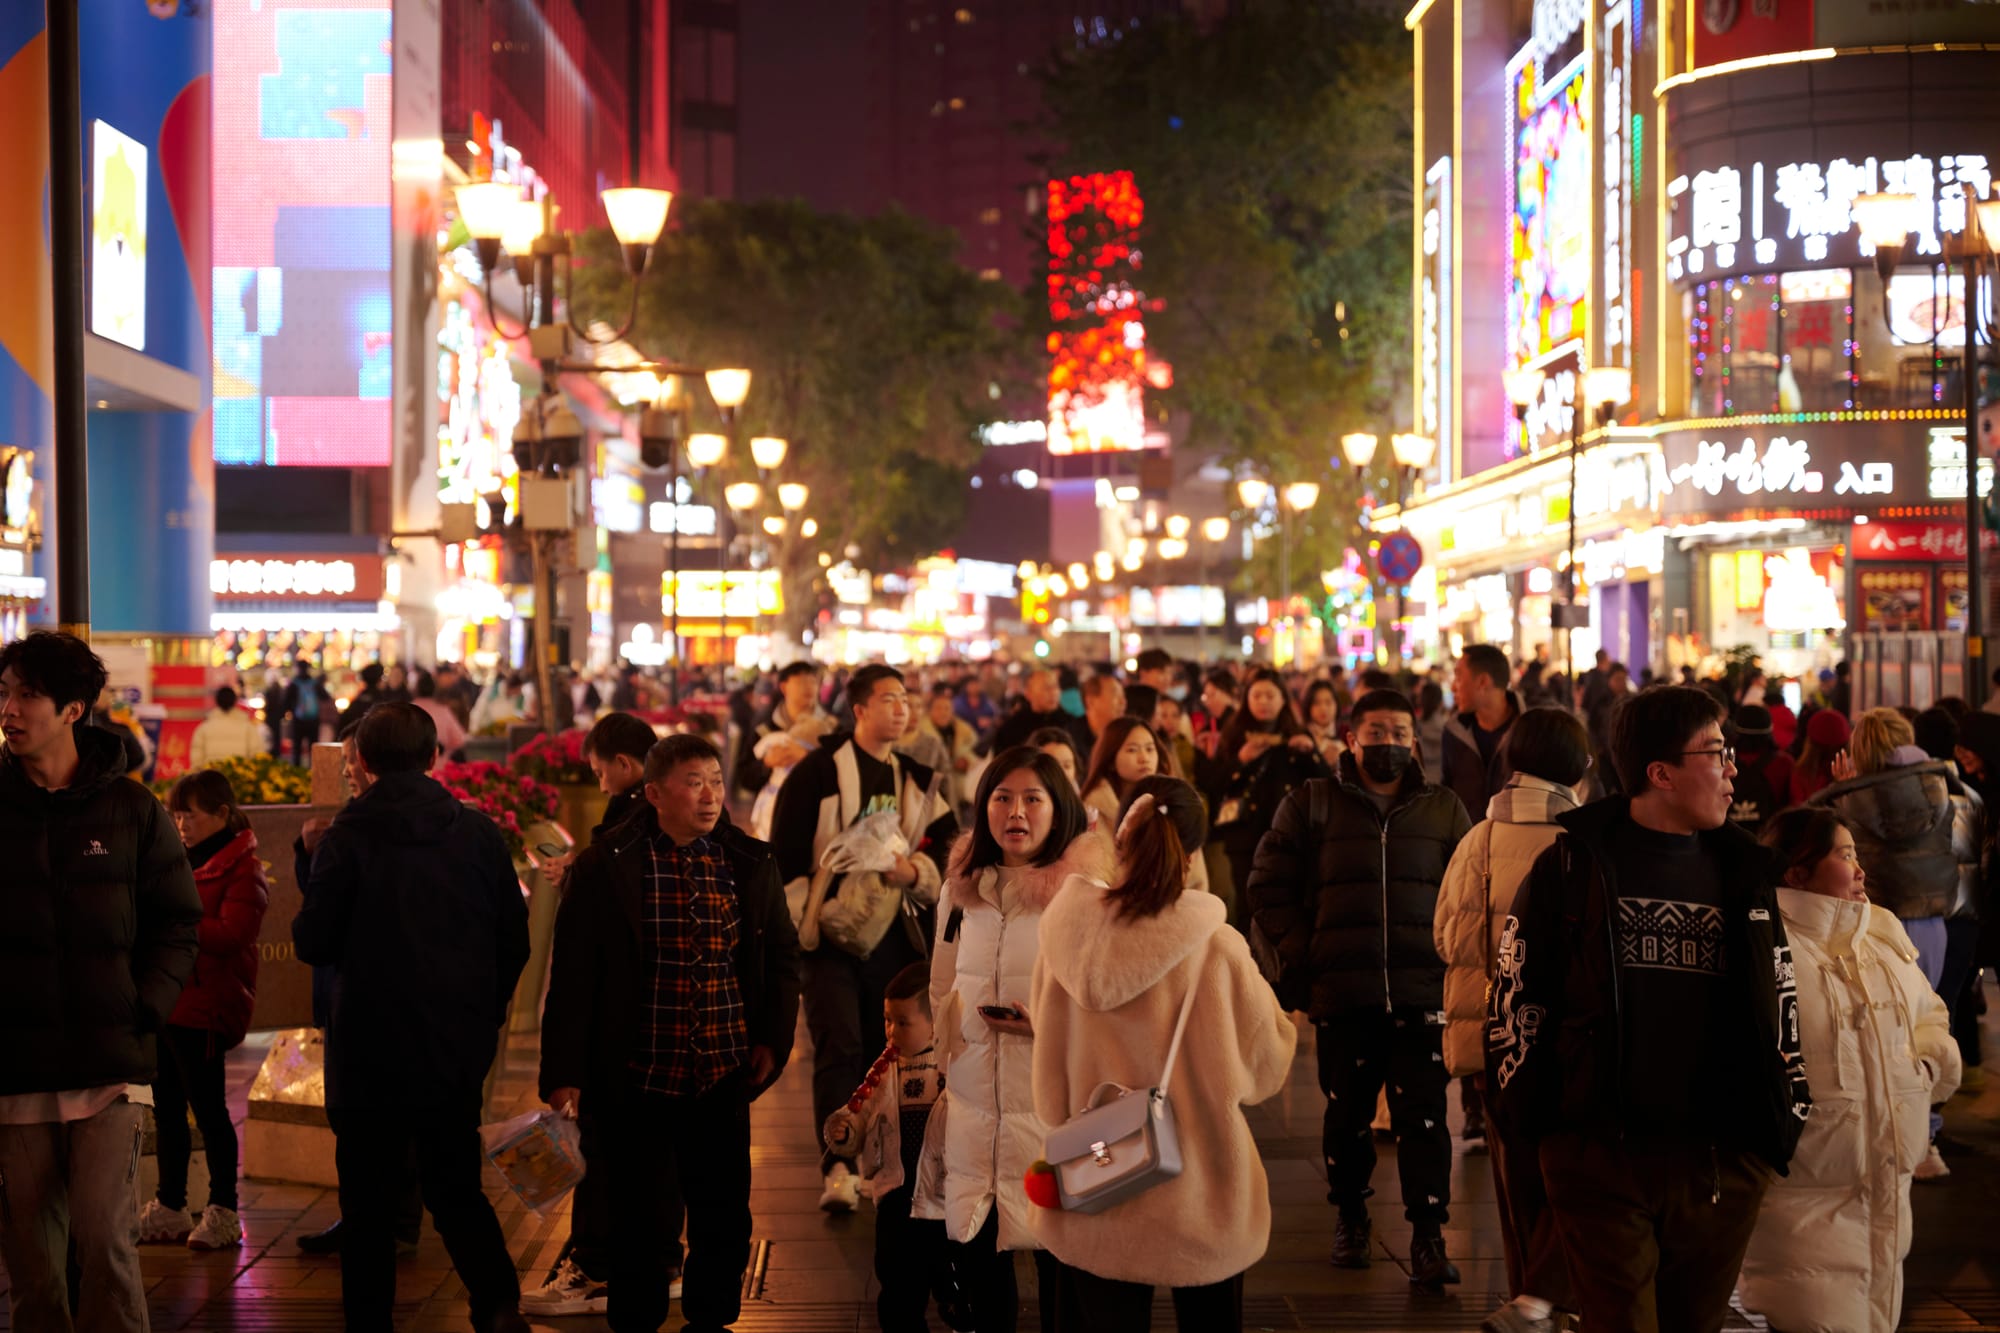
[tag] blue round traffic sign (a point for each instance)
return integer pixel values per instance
(1400, 558)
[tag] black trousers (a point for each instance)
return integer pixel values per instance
(590, 1228)
(843, 1004)
(191, 1076)
(1655, 1229)
(985, 1275)
(909, 1259)
(1108, 1306)
(1359, 1052)
(698, 1150)
(371, 1151)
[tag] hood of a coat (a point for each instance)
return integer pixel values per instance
(1896, 804)
(1088, 855)
(1530, 800)
(224, 862)
(1104, 960)
(403, 809)
(1827, 922)
(100, 761)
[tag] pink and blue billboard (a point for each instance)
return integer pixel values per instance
(301, 232)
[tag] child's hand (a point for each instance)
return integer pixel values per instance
(843, 1132)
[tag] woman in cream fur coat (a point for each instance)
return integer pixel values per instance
(1115, 965)
(1028, 841)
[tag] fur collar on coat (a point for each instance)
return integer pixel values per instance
(1087, 855)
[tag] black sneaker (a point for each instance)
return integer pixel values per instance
(1475, 1126)
(1350, 1243)
(1428, 1265)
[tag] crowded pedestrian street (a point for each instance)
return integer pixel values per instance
(811, 1271)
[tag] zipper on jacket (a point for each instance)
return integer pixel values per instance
(1388, 1000)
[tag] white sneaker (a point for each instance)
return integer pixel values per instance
(161, 1225)
(568, 1291)
(1932, 1167)
(843, 1190)
(675, 1289)
(219, 1229)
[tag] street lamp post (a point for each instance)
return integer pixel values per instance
(1214, 532)
(549, 441)
(1885, 221)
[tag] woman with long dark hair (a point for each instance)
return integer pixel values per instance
(1117, 964)
(1127, 753)
(1030, 837)
(210, 1017)
(1264, 754)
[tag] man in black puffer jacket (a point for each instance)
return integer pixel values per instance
(97, 936)
(1347, 898)
(414, 903)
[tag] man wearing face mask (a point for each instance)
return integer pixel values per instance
(1349, 872)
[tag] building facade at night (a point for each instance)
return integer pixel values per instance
(1668, 188)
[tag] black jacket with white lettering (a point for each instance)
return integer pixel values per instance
(98, 924)
(1555, 1033)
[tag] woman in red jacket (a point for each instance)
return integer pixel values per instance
(211, 1017)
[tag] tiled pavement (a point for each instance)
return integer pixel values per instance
(811, 1273)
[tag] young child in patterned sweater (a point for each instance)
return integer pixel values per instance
(883, 1126)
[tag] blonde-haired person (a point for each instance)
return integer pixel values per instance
(1115, 965)
(1917, 832)
(1827, 1253)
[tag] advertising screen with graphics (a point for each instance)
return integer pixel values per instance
(117, 236)
(301, 232)
(1550, 264)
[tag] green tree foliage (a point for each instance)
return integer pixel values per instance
(871, 350)
(1273, 150)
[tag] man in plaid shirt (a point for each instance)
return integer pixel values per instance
(673, 994)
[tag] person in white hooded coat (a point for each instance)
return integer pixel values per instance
(1827, 1254)
(1029, 835)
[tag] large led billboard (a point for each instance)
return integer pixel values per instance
(301, 232)
(117, 236)
(1550, 263)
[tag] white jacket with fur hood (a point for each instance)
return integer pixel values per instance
(985, 954)
(1107, 990)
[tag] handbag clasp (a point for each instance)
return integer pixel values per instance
(1098, 1155)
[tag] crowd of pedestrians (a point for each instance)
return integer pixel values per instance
(1636, 926)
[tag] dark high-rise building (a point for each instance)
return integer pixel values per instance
(706, 37)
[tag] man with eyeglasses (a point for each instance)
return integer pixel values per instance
(1642, 1027)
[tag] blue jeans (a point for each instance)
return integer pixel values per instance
(1929, 935)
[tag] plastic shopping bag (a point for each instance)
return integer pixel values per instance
(540, 1154)
(872, 842)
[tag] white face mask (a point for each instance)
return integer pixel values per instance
(1178, 692)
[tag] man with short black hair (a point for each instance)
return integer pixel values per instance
(1345, 887)
(1474, 763)
(829, 790)
(1154, 667)
(413, 902)
(1039, 705)
(99, 919)
(673, 995)
(1103, 704)
(227, 733)
(791, 730)
(616, 748)
(1642, 1026)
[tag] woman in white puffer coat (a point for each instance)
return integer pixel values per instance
(1030, 834)
(1827, 1255)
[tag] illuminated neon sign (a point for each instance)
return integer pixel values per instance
(1098, 360)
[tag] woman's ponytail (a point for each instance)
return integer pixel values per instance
(1161, 823)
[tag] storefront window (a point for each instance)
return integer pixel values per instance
(1817, 374)
(1817, 341)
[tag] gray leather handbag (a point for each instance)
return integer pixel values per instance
(1124, 1141)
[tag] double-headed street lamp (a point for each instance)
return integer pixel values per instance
(1605, 389)
(1294, 497)
(1413, 453)
(549, 440)
(1885, 222)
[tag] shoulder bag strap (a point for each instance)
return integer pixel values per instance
(1180, 1024)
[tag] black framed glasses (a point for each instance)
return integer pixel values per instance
(1727, 754)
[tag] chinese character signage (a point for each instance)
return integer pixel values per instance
(1856, 467)
(1738, 217)
(1935, 539)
